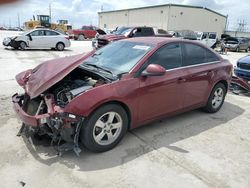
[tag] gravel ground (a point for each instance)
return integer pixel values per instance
(193, 149)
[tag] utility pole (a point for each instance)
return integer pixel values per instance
(18, 19)
(241, 25)
(50, 12)
(9, 23)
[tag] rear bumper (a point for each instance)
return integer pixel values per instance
(67, 43)
(27, 119)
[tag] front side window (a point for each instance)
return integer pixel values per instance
(168, 56)
(37, 33)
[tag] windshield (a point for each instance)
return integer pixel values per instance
(118, 57)
(122, 30)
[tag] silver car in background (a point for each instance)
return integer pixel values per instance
(38, 39)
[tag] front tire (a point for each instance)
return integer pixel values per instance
(216, 98)
(105, 128)
(22, 45)
(81, 37)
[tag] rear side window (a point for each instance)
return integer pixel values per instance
(211, 56)
(50, 33)
(168, 56)
(195, 54)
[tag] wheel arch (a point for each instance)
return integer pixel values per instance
(59, 43)
(19, 42)
(122, 104)
(224, 82)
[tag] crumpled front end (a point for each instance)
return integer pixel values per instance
(43, 109)
(43, 117)
(7, 41)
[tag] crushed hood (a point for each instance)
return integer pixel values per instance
(36, 81)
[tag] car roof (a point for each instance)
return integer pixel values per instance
(155, 41)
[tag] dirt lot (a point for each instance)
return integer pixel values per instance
(193, 149)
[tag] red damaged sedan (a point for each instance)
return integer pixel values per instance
(95, 98)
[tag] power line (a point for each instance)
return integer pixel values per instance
(241, 25)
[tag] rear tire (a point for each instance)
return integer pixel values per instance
(81, 37)
(105, 128)
(216, 98)
(60, 46)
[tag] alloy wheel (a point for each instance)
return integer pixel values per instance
(107, 128)
(60, 47)
(218, 97)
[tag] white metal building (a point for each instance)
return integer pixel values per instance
(167, 17)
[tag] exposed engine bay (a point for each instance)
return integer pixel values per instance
(63, 128)
(73, 85)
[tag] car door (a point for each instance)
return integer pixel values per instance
(161, 95)
(198, 65)
(52, 38)
(243, 44)
(37, 39)
(204, 38)
(211, 39)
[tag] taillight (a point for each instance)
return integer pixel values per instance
(67, 38)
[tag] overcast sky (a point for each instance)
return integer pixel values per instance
(84, 12)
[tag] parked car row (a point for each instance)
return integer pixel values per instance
(126, 32)
(46, 38)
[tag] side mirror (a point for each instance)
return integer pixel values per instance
(131, 35)
(153, 70)
(30, 38)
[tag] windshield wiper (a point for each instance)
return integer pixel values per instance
(101, 68)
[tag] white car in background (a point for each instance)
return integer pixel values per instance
(38, 39)
(207, 38)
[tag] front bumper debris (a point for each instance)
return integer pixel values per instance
(6, 41)
(27, 119)
(63, 128)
